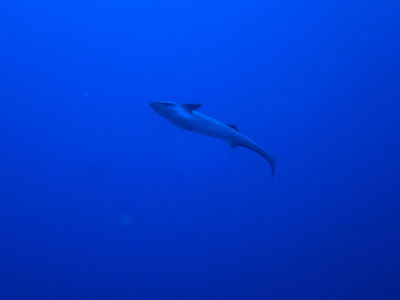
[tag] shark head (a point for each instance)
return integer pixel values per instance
(164, 109)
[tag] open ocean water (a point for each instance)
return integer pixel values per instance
(101, 198)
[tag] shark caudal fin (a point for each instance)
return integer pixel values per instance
(270, 159)
(272, 162)
(260, 151)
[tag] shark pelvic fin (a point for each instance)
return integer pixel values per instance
(191, 107)
(233, 145)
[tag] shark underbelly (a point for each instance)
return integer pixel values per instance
(202, 124)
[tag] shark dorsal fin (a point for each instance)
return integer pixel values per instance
(191, 107)
(233, 127)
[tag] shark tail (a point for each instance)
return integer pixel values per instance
(260, 151)
(272, 162)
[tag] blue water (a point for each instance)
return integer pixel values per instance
(101, 198)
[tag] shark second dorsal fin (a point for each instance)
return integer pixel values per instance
(191, 107)
(233, 127)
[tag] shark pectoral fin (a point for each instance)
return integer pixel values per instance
(191, 107)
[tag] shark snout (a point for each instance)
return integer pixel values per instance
(162, 103)
(152, 104)
(162, 108)
(156, 106)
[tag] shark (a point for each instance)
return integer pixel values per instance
(187, 117)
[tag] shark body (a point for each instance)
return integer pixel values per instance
(185, 116)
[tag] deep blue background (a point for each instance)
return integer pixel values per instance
(100, 198)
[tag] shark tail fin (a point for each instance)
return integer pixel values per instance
(257, 149)
(273, 167)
